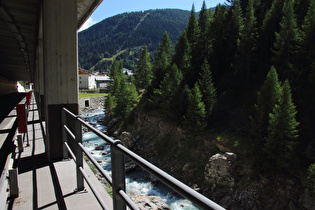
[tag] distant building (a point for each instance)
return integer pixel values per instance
(102, 81)
(128, 72)
(86, 80)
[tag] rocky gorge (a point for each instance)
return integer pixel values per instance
(209, 166)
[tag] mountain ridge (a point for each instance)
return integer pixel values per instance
(129, 32)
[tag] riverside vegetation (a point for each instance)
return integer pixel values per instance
(243, 78)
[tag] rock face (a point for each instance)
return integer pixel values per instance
(127, 139)
(94, 103)
(145, 202)
(219, 170)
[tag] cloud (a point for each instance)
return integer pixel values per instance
(87, 24)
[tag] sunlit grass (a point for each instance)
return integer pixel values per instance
(90, 95)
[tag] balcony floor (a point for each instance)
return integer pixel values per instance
(44, 185)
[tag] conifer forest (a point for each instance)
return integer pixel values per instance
(247, 68)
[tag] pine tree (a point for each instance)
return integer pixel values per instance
(182, 56)
(168, 89)
(133, 94)
(218, 33)
(164, 46)
(161, 60)
(283, 130)
(204, 41)
(307, 35)
(248, 42)
(115, 74)
(109, 104)
(270, 25)
(195, 118)
(209, 95)
(143, 71)
(267, 98)
(192, 29)
(234, 34)
(287, 40)
(123, 106)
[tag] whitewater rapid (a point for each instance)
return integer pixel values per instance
(138, 182)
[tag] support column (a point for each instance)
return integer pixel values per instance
(39, 79)
(41, 82)
(60, 66)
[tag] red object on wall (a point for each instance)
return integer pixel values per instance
(21, 118)
(28, 98)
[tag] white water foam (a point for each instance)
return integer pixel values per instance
(138, 182)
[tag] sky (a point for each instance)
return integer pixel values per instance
(109, 8)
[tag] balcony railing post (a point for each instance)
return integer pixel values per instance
(118, 176)
(64, 134)
(78, 154)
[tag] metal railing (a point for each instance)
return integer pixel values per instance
(118, 153)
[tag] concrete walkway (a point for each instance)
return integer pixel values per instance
(44, 185)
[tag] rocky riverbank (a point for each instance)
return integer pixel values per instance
(93, 103)
(206, 165)
(197, 161)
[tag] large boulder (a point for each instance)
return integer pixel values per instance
(127, 139)
(145, 202)
(219, 169)
(112, 125)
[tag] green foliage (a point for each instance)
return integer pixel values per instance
(123, 31)
(282, 131)
(241, 42)
(270, 25)
(209, 94)
(182, 56)
(143, 72)
(248, 43)
(311, 179)
(163, 97)
(123, 95)
(308, 34)
(287, 40)
(195, 118)
(109, 104)
(192, 29)
(267, 98)
(234, 33)
(165, 46)
(161, 61)
(204, 41)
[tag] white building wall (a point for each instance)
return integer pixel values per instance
(83, 81)
(87, 81)
(92, 83)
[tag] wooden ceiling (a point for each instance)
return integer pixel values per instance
(19, 32)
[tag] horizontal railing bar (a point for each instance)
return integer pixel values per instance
(97, 195)
(192, 195)
(129, 202)
(69, 132)
(100, 169)
(5, 131)
(70, 151)
(70, 113)
(97, 132)
(176, 185)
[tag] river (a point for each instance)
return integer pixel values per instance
(138, 182)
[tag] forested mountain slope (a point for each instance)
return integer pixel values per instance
(125, 34)
(241, 79)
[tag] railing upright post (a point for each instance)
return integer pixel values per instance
(118, 176)
(78, 154)
(64, 134)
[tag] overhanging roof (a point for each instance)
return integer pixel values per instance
(19, 31)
